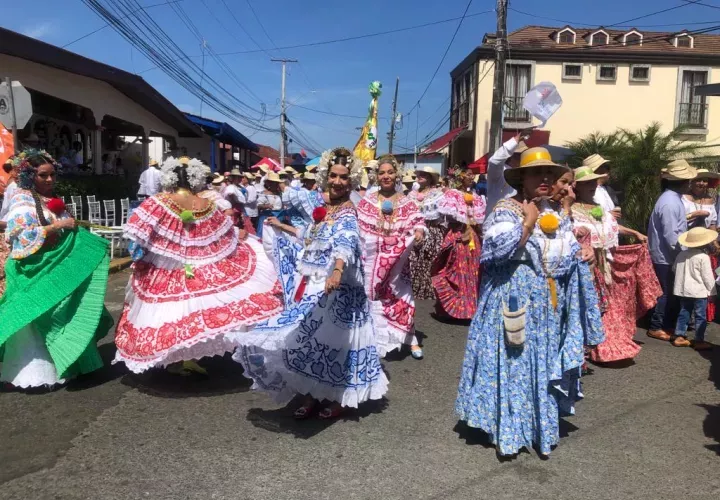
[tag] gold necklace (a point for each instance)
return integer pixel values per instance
(550, 280)
(386, 221)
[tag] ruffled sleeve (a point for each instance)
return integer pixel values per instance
(24, 233)
(502, 234)
(346, 240)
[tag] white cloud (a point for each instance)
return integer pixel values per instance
(38, 31)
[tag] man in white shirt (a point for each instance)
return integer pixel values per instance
(251, 197)
(601, 166)
(150, 180)
(508, 156)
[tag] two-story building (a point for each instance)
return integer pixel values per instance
(608, 79)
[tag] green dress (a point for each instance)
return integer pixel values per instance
(53, 310)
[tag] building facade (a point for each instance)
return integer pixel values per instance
(608, 79)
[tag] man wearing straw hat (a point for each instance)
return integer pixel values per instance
(667, 223)
(508, 156)
(150, 180)
(251, 197)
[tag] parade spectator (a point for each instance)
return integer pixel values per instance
(150, 181)
(667, 222)
(251, 197)
(694, 284)
(269, 200)
(605, 195)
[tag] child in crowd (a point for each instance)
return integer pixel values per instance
(694, 283)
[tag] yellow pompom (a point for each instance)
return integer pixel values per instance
(468, 197)
(549, 223)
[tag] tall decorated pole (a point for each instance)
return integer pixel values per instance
(367, 144)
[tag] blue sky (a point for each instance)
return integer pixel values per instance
(334, 77)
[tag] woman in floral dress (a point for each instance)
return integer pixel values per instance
(525, 345)
(425, 252)
(623, 276)
(456, 281)
(323, 346)
(197, 280)
(390, 223)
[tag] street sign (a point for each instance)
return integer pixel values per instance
(23, 105)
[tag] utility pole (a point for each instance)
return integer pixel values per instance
(394, 115)
(283, 136)
(499, 82)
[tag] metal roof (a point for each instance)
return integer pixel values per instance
(223, 132)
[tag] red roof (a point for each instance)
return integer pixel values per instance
(442, 141)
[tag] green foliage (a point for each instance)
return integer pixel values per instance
(637, 160)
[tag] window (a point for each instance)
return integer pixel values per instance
(517, 84)
(692, 109)
(633, 38)
(684, 41)
(566, 36)
(462, 91)
(607, 72)
(599, 38)
(639, 73)
(572, 71)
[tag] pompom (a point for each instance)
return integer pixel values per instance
(596, 213)
(187, 216)
(55, 205)
(549, 223)
(319, 214)
(468, 197)
(387, 207)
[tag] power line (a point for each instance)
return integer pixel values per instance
(447, 49)
(328, 113)
(106, 24)
(595, 25)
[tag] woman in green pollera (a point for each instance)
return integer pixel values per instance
(53, 309)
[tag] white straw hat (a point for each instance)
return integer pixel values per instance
(697, 237)
(594, 162)
(679, 170)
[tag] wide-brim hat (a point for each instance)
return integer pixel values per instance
(408, 178)
(290, 170)
(308, 176)
(679, 170)
(235, 172)
(429, 171)
(595, 161)
(248, 176)
(218, 179)
(533, 158)
(272, 177)
(697, 237)
(586, 173)
(311, 168)
(154, 163)
(703, 173)
(264, 168)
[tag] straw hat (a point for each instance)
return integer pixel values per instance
(428, 170)
(264, 168)
(697, 237)
(594, 162)
(704, 173)
(235, 172)
(218, 179)
(311, 168)
(308, 176)
(154, 163)
(521, 148)
(586, 173)
(290, 170)
(533, 158)
(249, 176)
(679, 170)
(408, 178)
(273, 177)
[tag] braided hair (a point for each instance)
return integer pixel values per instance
(28, 163)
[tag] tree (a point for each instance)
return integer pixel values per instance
(637, 160)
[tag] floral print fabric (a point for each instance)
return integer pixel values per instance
(517, 394)
(457, 279)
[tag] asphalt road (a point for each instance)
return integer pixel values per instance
(648, 430)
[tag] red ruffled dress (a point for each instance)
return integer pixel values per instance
(195, 285)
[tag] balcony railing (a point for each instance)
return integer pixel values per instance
(693, 114)
(513, 110)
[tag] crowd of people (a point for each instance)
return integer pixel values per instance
(310, 279)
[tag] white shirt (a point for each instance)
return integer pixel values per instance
(251, 201)
(10, 190)
(497, 188)
(232, 193)
(603, 199)
(694, 277)
(149, 182)
(691, 206)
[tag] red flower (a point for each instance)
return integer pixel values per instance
(319, 214)
(55, 205)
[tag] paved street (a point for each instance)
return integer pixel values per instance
(649, 430)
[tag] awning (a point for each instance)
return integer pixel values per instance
(480, 165)
(223, 132)
(269, 163)
(711, 89)
(443, 141)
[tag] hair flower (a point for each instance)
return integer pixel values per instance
(319, 214)
(549, 223)
(55, 205)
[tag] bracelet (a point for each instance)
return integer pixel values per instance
(338, 270)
